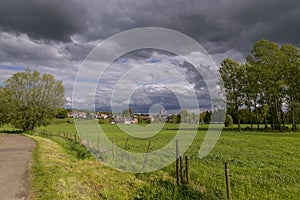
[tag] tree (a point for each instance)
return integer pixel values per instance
(32, 98)
(232, 75)
(250, 92)
(184, 116)
(291, 61)
(3, 110)
(207, 117)
(266, 57)
(266, 87)
(178, 119)
(194, 118)
(127, 114)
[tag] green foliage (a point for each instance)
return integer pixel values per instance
(263, 85)
(178, 119)
(104, 121)
(172, 119)
(291, 61)
(143, 121)
(2, 106)
(61, 113)
(228, 121)
(231, 73)
(31, 99)
(184, 116)
(73, 148)
(207, 117)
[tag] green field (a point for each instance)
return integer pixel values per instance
(263, 165)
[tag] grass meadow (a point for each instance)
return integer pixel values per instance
(263, 165)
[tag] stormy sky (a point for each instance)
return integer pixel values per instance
(56, 36)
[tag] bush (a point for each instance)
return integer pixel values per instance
(62, 113)
(228, 121)
(104, 121)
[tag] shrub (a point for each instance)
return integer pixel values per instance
(228, 121)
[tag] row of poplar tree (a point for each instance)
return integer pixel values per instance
(267, 85)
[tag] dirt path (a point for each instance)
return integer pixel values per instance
(15, 154)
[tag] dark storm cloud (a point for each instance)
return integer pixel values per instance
(218, 25)
(40, 19)
(273, 20)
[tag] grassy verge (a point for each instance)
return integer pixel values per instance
(62, 169)
(57, 174)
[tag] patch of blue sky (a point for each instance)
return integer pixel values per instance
(12, 68)
(153, 60)
(122, 60)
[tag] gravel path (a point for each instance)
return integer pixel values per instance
(15, 154)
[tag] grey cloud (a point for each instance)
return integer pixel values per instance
(41, 19)
(218, 25)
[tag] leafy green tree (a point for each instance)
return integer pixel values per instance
(232, 75)
(173, 119)
(184, 116)
(291, 63)
(207, 117)
(31, 98)
(194, 118)
(201, 117)
(264, 85)
(266, 57)
(178, 120)
(250, 91)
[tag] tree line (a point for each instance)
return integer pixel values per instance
(266, 88)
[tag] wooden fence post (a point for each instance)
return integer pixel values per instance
(181, 169)
(187, 171)
(146, 157)
(227, 181)
(98, 144)
(113, 148)
(177, 163)
(126, 144)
